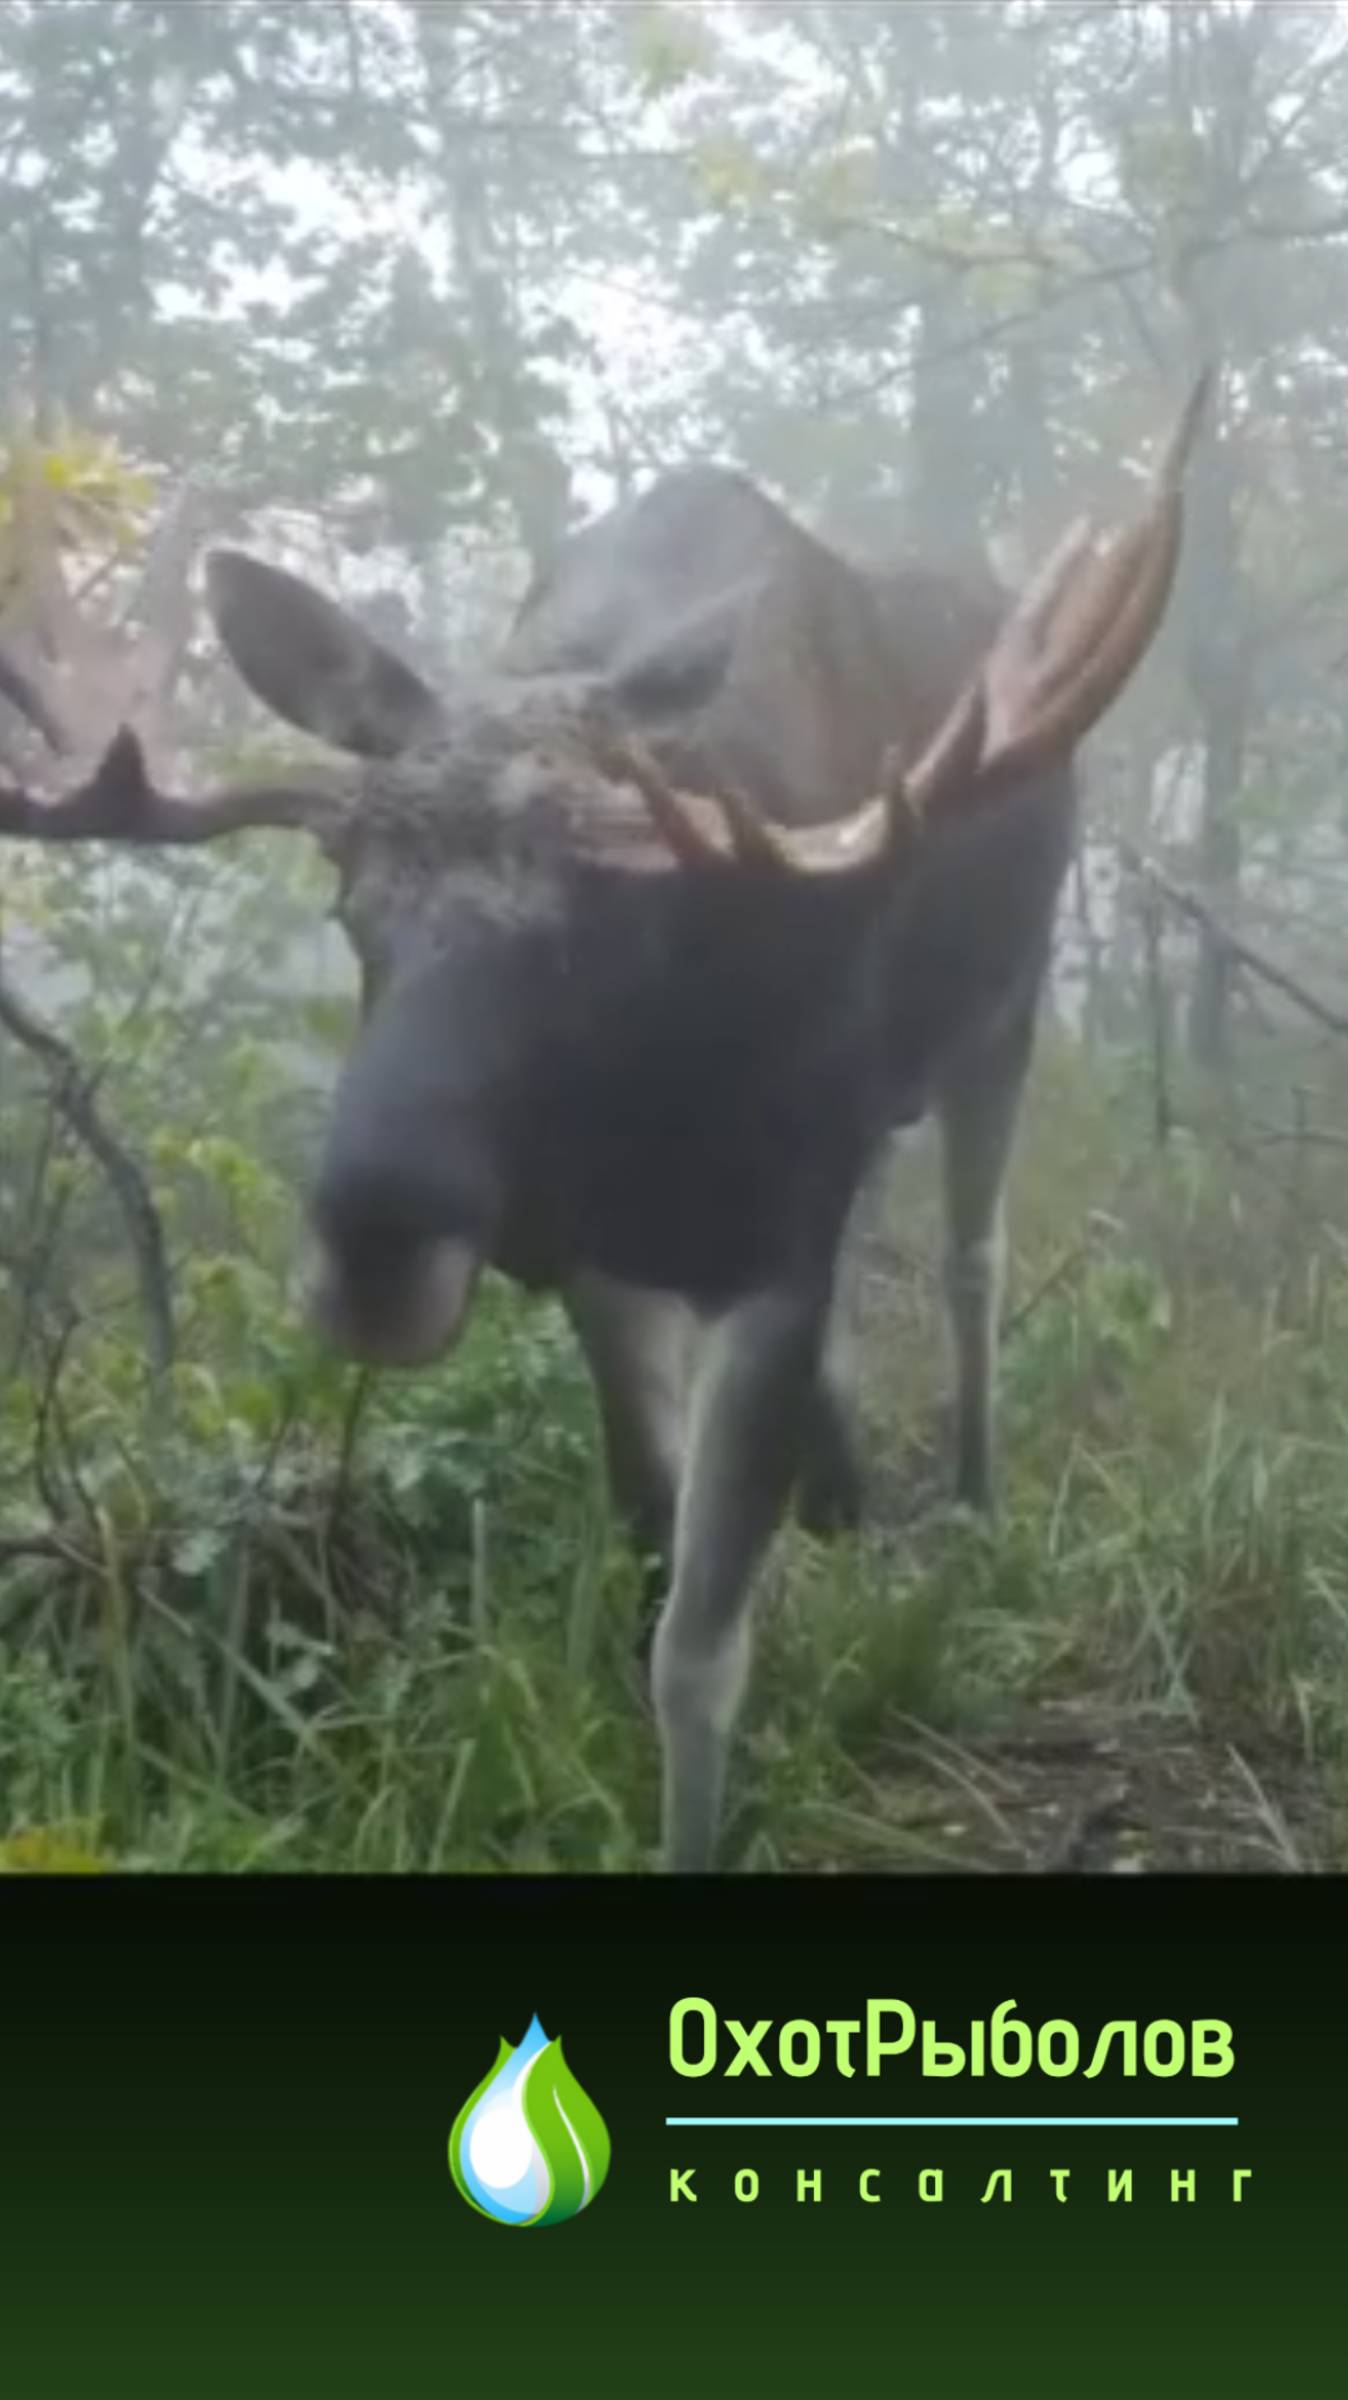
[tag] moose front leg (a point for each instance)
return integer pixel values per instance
(750, 1410)
(638, 1347)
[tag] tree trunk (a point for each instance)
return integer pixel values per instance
(1225, 720)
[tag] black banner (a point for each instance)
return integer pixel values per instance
(751, 2129)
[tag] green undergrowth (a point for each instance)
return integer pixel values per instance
(297, 1619)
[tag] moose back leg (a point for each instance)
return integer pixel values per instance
(638, 1346)
(831, 1493)
(829, 1496)
(978, 1108)
(748, 1416)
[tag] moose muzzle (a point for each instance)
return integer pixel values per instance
(404, 1310)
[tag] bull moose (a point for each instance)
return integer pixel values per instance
(737, 856)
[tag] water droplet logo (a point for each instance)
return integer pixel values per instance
(529, 2147)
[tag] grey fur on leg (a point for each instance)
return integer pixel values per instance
(748, 1416)
(639, 1349)
(973, 1281)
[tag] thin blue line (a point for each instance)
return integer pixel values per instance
(989, 2122)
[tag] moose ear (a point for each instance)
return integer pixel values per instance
(685, 668)
(313, 663)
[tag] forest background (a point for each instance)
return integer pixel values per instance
(396, 293)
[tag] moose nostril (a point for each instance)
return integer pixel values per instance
(405, 1309)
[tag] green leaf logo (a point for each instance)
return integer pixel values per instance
(529, 2147)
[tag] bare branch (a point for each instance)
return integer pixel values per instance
(1189, 905)
(41, 1545)
(73, 1095)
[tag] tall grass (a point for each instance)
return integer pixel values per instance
(320, 1626)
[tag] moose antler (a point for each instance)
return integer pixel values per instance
(696, 827)
(1073, 640)
(1063, 654)
(120, 804)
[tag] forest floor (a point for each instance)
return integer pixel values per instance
(1070, 1788)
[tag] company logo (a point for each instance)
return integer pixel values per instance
(529, 2147)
